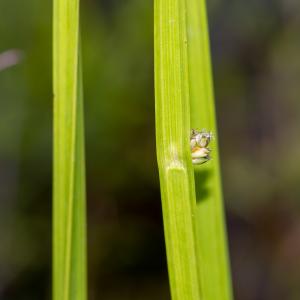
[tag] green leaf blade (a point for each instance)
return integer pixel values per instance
(69, 232)
(193, 213)
(214, 269)
(173, 151)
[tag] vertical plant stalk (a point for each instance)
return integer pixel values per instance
(69, 220)
(173, 150)
(211, 233)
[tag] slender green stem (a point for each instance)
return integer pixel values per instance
(211, 235)
(69, 233)
(173, 151)
(194, 222)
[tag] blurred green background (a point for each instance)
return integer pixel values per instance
(255, 49)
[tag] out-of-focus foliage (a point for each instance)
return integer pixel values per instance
(255, 46)
(255, 55)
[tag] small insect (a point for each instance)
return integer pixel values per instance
(199, 142)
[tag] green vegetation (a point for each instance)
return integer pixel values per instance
(69, 232)
(192, 205)
(255, 48)
(209, 216)
(173, 150)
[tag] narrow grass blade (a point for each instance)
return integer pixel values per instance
(69, 233)
(173, 151)
(211, 235)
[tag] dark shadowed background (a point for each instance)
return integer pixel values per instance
(255, 53)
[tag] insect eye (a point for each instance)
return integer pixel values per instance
(202, 140)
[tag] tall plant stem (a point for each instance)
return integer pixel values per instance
(173, 151)
(69, 232)
(209, 216)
